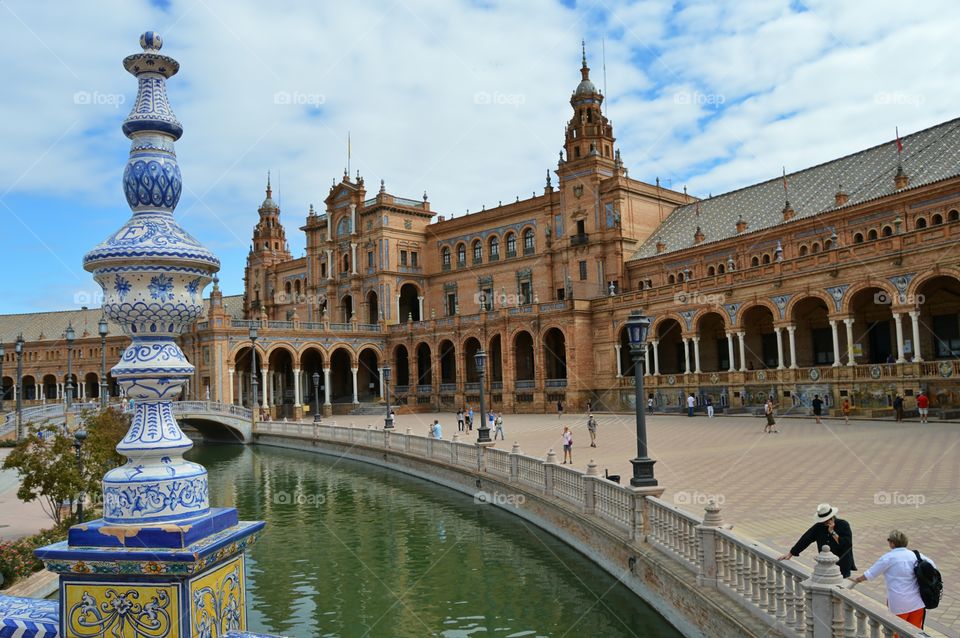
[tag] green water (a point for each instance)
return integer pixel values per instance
(355, 550)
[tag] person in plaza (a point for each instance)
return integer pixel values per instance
(589, 406)
(817, 405)
(460, 420)
(559, 409)
(709, 408)
(435, 430)
(470, 419)
(898, 408)
(768, 410)
(498, 427)
(923, 406)
(567, 437)
(650, 405)
(491, 418)
(691, 402)
(592, 429)
(845, 408)
(828, 530)
(897, 569)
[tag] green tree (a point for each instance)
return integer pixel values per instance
(46, 461)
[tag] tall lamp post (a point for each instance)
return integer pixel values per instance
(483, 432)
(3, 390)
(18, 348)
(70, 335)
(253, 371)
(102, 328)
(78, 438)
(316, 398)
(637, 327)
(387, 371)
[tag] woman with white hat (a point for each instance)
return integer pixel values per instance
(828, 530)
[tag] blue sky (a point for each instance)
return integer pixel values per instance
(464, 100)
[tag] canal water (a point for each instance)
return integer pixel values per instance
(355, 550)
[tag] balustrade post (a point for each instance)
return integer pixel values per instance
(481, 459)
(707, 561)
(548, 467)
(819, 593)
(590, 488)
(515, 462)
(406, 440)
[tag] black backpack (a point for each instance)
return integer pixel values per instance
(929, 581)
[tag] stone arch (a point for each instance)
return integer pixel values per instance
(742, 311)
(447, 354)
(401, 365)
(242, 350)
(668, 332)
(312, 359)
(856, 288)
(495, 359)
(342, 360)
(372, 307)
(659, 319)
(471, 345)
(523, 352)
(286, 345)
(280, 382)
(797, 298)
(423, 353)
(917, 282)
(813, 337)
(91, 386)
(410, 294)
(757, 321)
(368, 373)
(711, 328)
(346, 308)
(937, 298)
(554, 343)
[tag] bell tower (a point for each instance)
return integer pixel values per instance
(589, 133)
(268, 248)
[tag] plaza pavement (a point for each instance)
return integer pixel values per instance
(882, 475)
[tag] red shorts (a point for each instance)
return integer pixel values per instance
(915, 617)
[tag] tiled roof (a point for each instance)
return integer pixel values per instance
(928, 156)
(51, 325)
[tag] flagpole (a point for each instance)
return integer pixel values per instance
(348, 153)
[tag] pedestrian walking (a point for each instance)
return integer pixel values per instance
(559, 409)
(470, 420)
(828, 530)
(567, 446)
(490, 419)
(650, 405)
(589, 406)
(592, 429)
(817, 404)
(709, 408)
(898, 407)
(768, 413)
(923, 406)
(460, 426)
(498, 427)
(691, 402)
(435, 430)
(898, 569)
(845, 408)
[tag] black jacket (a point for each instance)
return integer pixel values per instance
(842, 549)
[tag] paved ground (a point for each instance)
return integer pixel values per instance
(17, 518)
(881, 475)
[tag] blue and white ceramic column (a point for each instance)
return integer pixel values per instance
(161, 562)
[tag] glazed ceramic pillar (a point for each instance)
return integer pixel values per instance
(730, 354)
(164, 562)
(326, 386)
(779, 331)
(836, 342)
(898, 321)
(656, 357)
(686, 356)
(792, 335)
(915, 319)
(851, 359)
(616, 348)
(265, 390)
(355, 371)
(742, 336)
(296, 387)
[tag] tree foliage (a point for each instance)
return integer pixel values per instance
(46, 461)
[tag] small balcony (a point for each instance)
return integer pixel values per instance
(579, 239)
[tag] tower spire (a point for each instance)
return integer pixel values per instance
(584, 69)
(269, 190)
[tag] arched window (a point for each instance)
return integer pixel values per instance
(711, 271)
(346, 263)
(296, 287)
(343, 226)
(953, 216)
(920, 223)
(445, 256)
(721, 269)
(803, 250)
(858, 238)
(815, 248)
(887, 231)
(766, 259)
(872, 235)
(494, 247)
(511, 245)
(680, 278)
(477, 251)
(937, 220)
(827, 244)
(671, 279)
(755, 262)
(287, 288)
(461, 254)
(528, 241)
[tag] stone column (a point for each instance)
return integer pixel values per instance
(792, 333)
(296, 388)
(915, 319)
(646, 359)
(326, 386)
(836, 343)
(230, 386)
(330, 265)
(353, 258)
(266, 387)
(353, 219)
(696, 354)
(420, 307)
(354, 371)
(329, 233)
(819, 591)
(779, 331)
(656, 357)
(686, 356)
(399, 318)
(898, 321)
(851, 360)
(741, 335)
(730, 353)
(616, 348)
(380, 369)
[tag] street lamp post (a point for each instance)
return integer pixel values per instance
(483, 432)
(18, 348)
(253, 369)
(3, 390)
(104, 387)
(316, 398)
(387, 371)
(637, 327)
(78, 438)
(70, 335)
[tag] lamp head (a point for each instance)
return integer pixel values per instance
(481, 360)
(253, 333)
(637, 327)
(102, 327)
(18, 344)
(387, 370)
(316, 378)
(70, 334)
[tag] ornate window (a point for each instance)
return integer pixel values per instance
(766, 259)
(721, 269)
(477, 251)
(953, 216)
(803, 250)
(528, 241)
(887, 231)
(920, 223)
(494, 252)
(461, 255)
(872, 235)
(755, 262)
(815, 248)
(858, 238)
(671, 279)
(937, 220)
(511, 245)
(711, 271)
(445, 257)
